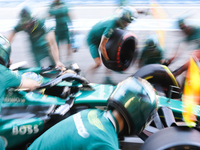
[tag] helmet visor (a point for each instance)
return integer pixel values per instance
(135, 99)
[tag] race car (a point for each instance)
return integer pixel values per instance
(26, 115)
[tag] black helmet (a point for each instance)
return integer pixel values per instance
(5, 49)
(136, 101)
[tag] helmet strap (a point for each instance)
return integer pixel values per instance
(113, 120)
(2, 62)
(120, 23)
(9, 63)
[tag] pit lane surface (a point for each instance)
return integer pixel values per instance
(83, 18)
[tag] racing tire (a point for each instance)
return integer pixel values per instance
(161, 78)
(121, 50)
(176, 138)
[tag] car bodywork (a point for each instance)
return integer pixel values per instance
(26, 115)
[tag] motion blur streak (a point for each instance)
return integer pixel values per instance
(158, 13)
(191, 93)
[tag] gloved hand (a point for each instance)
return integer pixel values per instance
(166, 62)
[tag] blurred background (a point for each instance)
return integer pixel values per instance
(85, 13)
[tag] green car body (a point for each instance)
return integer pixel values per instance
(20, 130)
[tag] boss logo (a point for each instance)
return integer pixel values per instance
(26, 129)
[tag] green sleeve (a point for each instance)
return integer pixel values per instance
(19, 27)
(143, 53)
(109, 29)
(52, 11)
(66, 10)
(108, 32)
(12, 79)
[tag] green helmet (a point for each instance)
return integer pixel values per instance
(127, 13)
(5, 49)
(150, 43)
(181, 21)
(25, 14)
(136, 101)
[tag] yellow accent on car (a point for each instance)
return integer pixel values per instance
(148, 77)
(171, 75)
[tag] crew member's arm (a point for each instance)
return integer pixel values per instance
(11, 36)
(102, 48)
(29, 84)
(162, 61)
(19, 27)
(179, 50)
(13, 79)
(54, 49)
